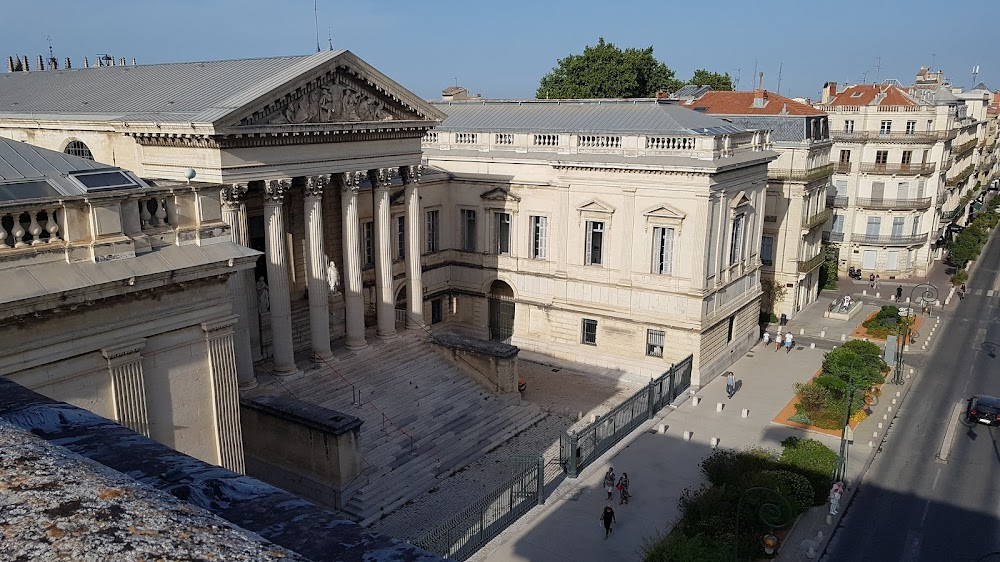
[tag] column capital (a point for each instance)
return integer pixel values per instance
(315, 185)
(411, 174)
(381, 178)
(219, 327)
(118, 354)
(233, 195)
(348, 181)
(275, 190)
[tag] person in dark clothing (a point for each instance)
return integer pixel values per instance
(607, 517)
(899, 293)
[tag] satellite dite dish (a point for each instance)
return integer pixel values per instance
(190, 174)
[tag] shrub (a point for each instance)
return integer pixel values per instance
(811, 459)
(800, 417)
(959, 277)
(812, 396)
(726, 467)
(679, 547)
(792, 486)
(707, 510)
(884, 322)
(857, 362)
(859, 416)
(834, 384)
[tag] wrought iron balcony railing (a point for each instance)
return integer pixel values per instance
(805, 266)
(897, 169)
(836, 200)
(833, 236)
(819, 218)
(867, 203)
(889, 240)
(842, 167)
(915, 136)
(801, 175)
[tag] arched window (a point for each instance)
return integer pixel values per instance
(77, 148)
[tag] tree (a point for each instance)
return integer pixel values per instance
(718, 82)
(605, 71)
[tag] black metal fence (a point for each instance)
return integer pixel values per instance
(467, 532)
(577, 449)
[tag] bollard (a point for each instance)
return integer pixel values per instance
(889, 409)
(746, 413)
(907, 375)
(911, 370)
(906, 347)
(822, 333)
(819, 535)
(874, 434)
(688, 435)
(843, 337)
(923, 346)
(893, 400)
(812, 345)
(878, 295)
(715, 442)
(695, 400)
(897, 394)
(864, 292)
(871, 444)
(907, 300)
(802, 331)
(947, 301)
(880, 425)
(593, 418)
(885, 416)
(661, 429)
(719, 406)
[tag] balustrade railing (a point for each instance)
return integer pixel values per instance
(21, 227)
(892, 169)
(670, 143)
(921, 203)
(890, 240)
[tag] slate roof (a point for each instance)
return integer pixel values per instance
(741, 103)
(866, 94)
(638, 116)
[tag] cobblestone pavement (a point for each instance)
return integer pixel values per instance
(566, 393)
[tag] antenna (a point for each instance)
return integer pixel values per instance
(53, 63)
(736, 83)
(754, 67)
(316, 21)
(329, 32)
(456, 81)
(878, 67)
(780, 66)
(975, 73)
(933, 56)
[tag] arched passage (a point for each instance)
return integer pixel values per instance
(501, 320)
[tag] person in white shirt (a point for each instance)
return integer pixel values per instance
(789, 340)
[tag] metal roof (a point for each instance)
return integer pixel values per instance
(639, 116)
(30, 172)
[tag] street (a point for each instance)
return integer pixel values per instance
(912, 506)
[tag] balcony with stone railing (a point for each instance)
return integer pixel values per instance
(897, 169)
(805, 266)
(898, 204)
(808, 223)
(914, 137)
(889, 240)
(807, 176)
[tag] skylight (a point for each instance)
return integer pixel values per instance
(104, 180)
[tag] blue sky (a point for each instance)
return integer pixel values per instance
(502, 49)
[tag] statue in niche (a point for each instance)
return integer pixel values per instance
(263, 296)
(333, 277)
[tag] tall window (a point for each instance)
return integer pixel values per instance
(845, 156)
(501, 232)
(595, 243)
(77, 148)
(849, 125)
(368, 229)
(838, 224)
(885, 128)
(663, 250)
(468, 230)
(436, 311)
(878, 190)
(916, 225)
(539, 237)
(588, 332)
(841, 187)
(907, 157)
(873, 226)
(432, 231)
(897, 227)
(920, 187)
(881, 157)
(911, 127)
(736, 240)
(654, 343)
(903, 190)
(767, 250)
(400, 237)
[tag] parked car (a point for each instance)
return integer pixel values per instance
(984, 409)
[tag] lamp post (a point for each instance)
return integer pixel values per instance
(773, 515)
(928, 294)
(840, 472)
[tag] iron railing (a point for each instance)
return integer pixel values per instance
(891, 169)
(879, 240)
(960, 177)
(805, 266)
(836, 200)
(770, 218)
(577, 449)
(921, 203)
(964, 147)
(476, 525)
(801, 175)
(915, 136)
(817, 219)
(833, 236)
(842, 168)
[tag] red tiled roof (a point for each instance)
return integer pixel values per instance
(864, 94)
(741, 103)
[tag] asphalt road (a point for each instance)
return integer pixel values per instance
(911, 506)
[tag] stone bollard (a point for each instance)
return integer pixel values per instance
(695, 400)
(822, 333)
(719, 406)
(812, 345)
(878, 295)
(889, 409)
(893, 400)
(864, 292)
(897, 394)
(875, 434)
(745, 413)
(715, 442)
(911, 370)
(907, 300)
(885, 416)
(661, 429)
(688, 435)
(880, 425)
(843, 337)
(906, 347)
(871, 444)
(802, 331)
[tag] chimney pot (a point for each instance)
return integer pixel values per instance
(133, 61)
(10, 63)
(26, 67)
(86, 62)
(68, 63)
(41, 63)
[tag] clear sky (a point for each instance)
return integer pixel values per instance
(502, 48)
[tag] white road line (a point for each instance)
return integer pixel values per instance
(996, 284)
(978, 292)
(989, 293)
(927, 506)
(949, 435)
(936, 476)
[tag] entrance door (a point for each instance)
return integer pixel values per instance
(501, 301)
(868, 259)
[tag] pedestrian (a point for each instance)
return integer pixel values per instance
(876, 281)
(777, 341)
(623, 488)
(899, 293)
(961, 292)
(607, 517)
(835, 493)
(789, 341)
(871, 280)
(609, 481)
(730, 384)
(766, 338)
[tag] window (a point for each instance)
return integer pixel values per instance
(907, 157)
(845, 156)
(911, 127)
(767, 250)
(897, 227)
(468, 230)
(849, 125)
(368, 229)
(588, 332)
(432, 231)
(400, 237)
(881, 157)
(838, 224)
(732, 324)
(916, 225)
(501, 232)
(878, 190)
(595, 243)
(885, 128)
(903, 190)
(436, 313)
(736, 240)
(77, 148)
(539, 237)
(873, 226)
(663, 250)
(920, 187)
(841, 186)
(654, 343)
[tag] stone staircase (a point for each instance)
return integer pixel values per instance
(423, 419)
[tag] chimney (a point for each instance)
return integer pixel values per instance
(121, 62)
(133, 61)
(10, 64)
(41, 63)
(68, 64)
(829, 92)
(662, 94)
(86, 63)
(26, 67)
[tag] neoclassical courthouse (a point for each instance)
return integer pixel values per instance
(618, 233)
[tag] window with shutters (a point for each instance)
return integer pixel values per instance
(469, 230)
(654, 343)
(663, 250)
(539, 237)
(501, 232)
(595, 243)
(432, 231)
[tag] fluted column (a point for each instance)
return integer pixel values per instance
(385, 307)
(319, 289)
(225, 395)
(127, 385)
(354, 304)
(277, 277)
(241, 286)
(414, 279)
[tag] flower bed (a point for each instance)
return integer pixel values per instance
(877, 326)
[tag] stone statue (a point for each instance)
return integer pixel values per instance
(263, 297)
(333, 277)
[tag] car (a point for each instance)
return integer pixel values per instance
(984, 409)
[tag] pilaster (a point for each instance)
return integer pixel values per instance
(277, 277)
(414, 272)
(354, 305)
(127, 385)
(241, 286)
(385, 308)
(225, 394)
(316, 263)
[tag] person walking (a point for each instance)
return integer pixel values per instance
(623, 489)
(777, 340)
(609, 481)
(961, 292)
(871, 280)
(607, 518)
(899, 293)
(767, 338)
(789, 341)
(730, 384)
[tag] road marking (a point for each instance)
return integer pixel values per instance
(949, 435)
(978, 292)
(989, 293)
(936, 476)
(911, 547)
(927, 506)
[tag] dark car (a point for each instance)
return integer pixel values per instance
(984, 409)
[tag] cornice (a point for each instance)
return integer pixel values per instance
(276, 138)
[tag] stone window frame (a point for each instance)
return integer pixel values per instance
(587, 336)
(594, 211)
(543, 255)
(432, 244)
(465, 238)
(740, 210)
(664, 216)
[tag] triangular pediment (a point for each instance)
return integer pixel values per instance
(739, 201)
(336, 88)
(664, 212)
(499, 194)
(595, 206)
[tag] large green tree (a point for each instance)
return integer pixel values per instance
(606, 71)
(718, 82)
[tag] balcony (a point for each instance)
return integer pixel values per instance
(897, 169)
(836, 201)
(770, 218)
(964, 147)
(949, 216)
(808, 223)
(905, 204)
(842, 168)
(890, 240)
(807, 176)
(915, 137)
(805, 266)
(833, 236)
(960, 177)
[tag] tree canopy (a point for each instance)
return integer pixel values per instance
(718, 82)
(606, 71)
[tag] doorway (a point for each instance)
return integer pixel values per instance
(501, 313)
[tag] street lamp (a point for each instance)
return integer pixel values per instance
(774, 515)
(840, 474)
(928, 294)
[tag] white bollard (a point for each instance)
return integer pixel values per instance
(812, 345)
(889, 409)
(923, 346)
(688, 435)
(811, 551)
(897, 394)
(871, 444)
(885, 416)
(745, 413)
(819, 535)
(715, 442)
(907, 375)
(878, 295)
(907, 300)
(874, 434)
(893, 400)
(911, 370)
(947, 301)
(864, 292)
(802, 331)
(880, 425)
(695, 400)
(661, 429)
(906, 347)
(822, 333)
(719, 406)
(843, 337)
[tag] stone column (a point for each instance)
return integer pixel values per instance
(241, 286)
(385, 308)
(316, 262)
(354, 304)
(414, 279)
(225, 395)
(127, 385)
(277, 277)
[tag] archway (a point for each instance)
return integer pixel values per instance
(401, 304)
(501, 319)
